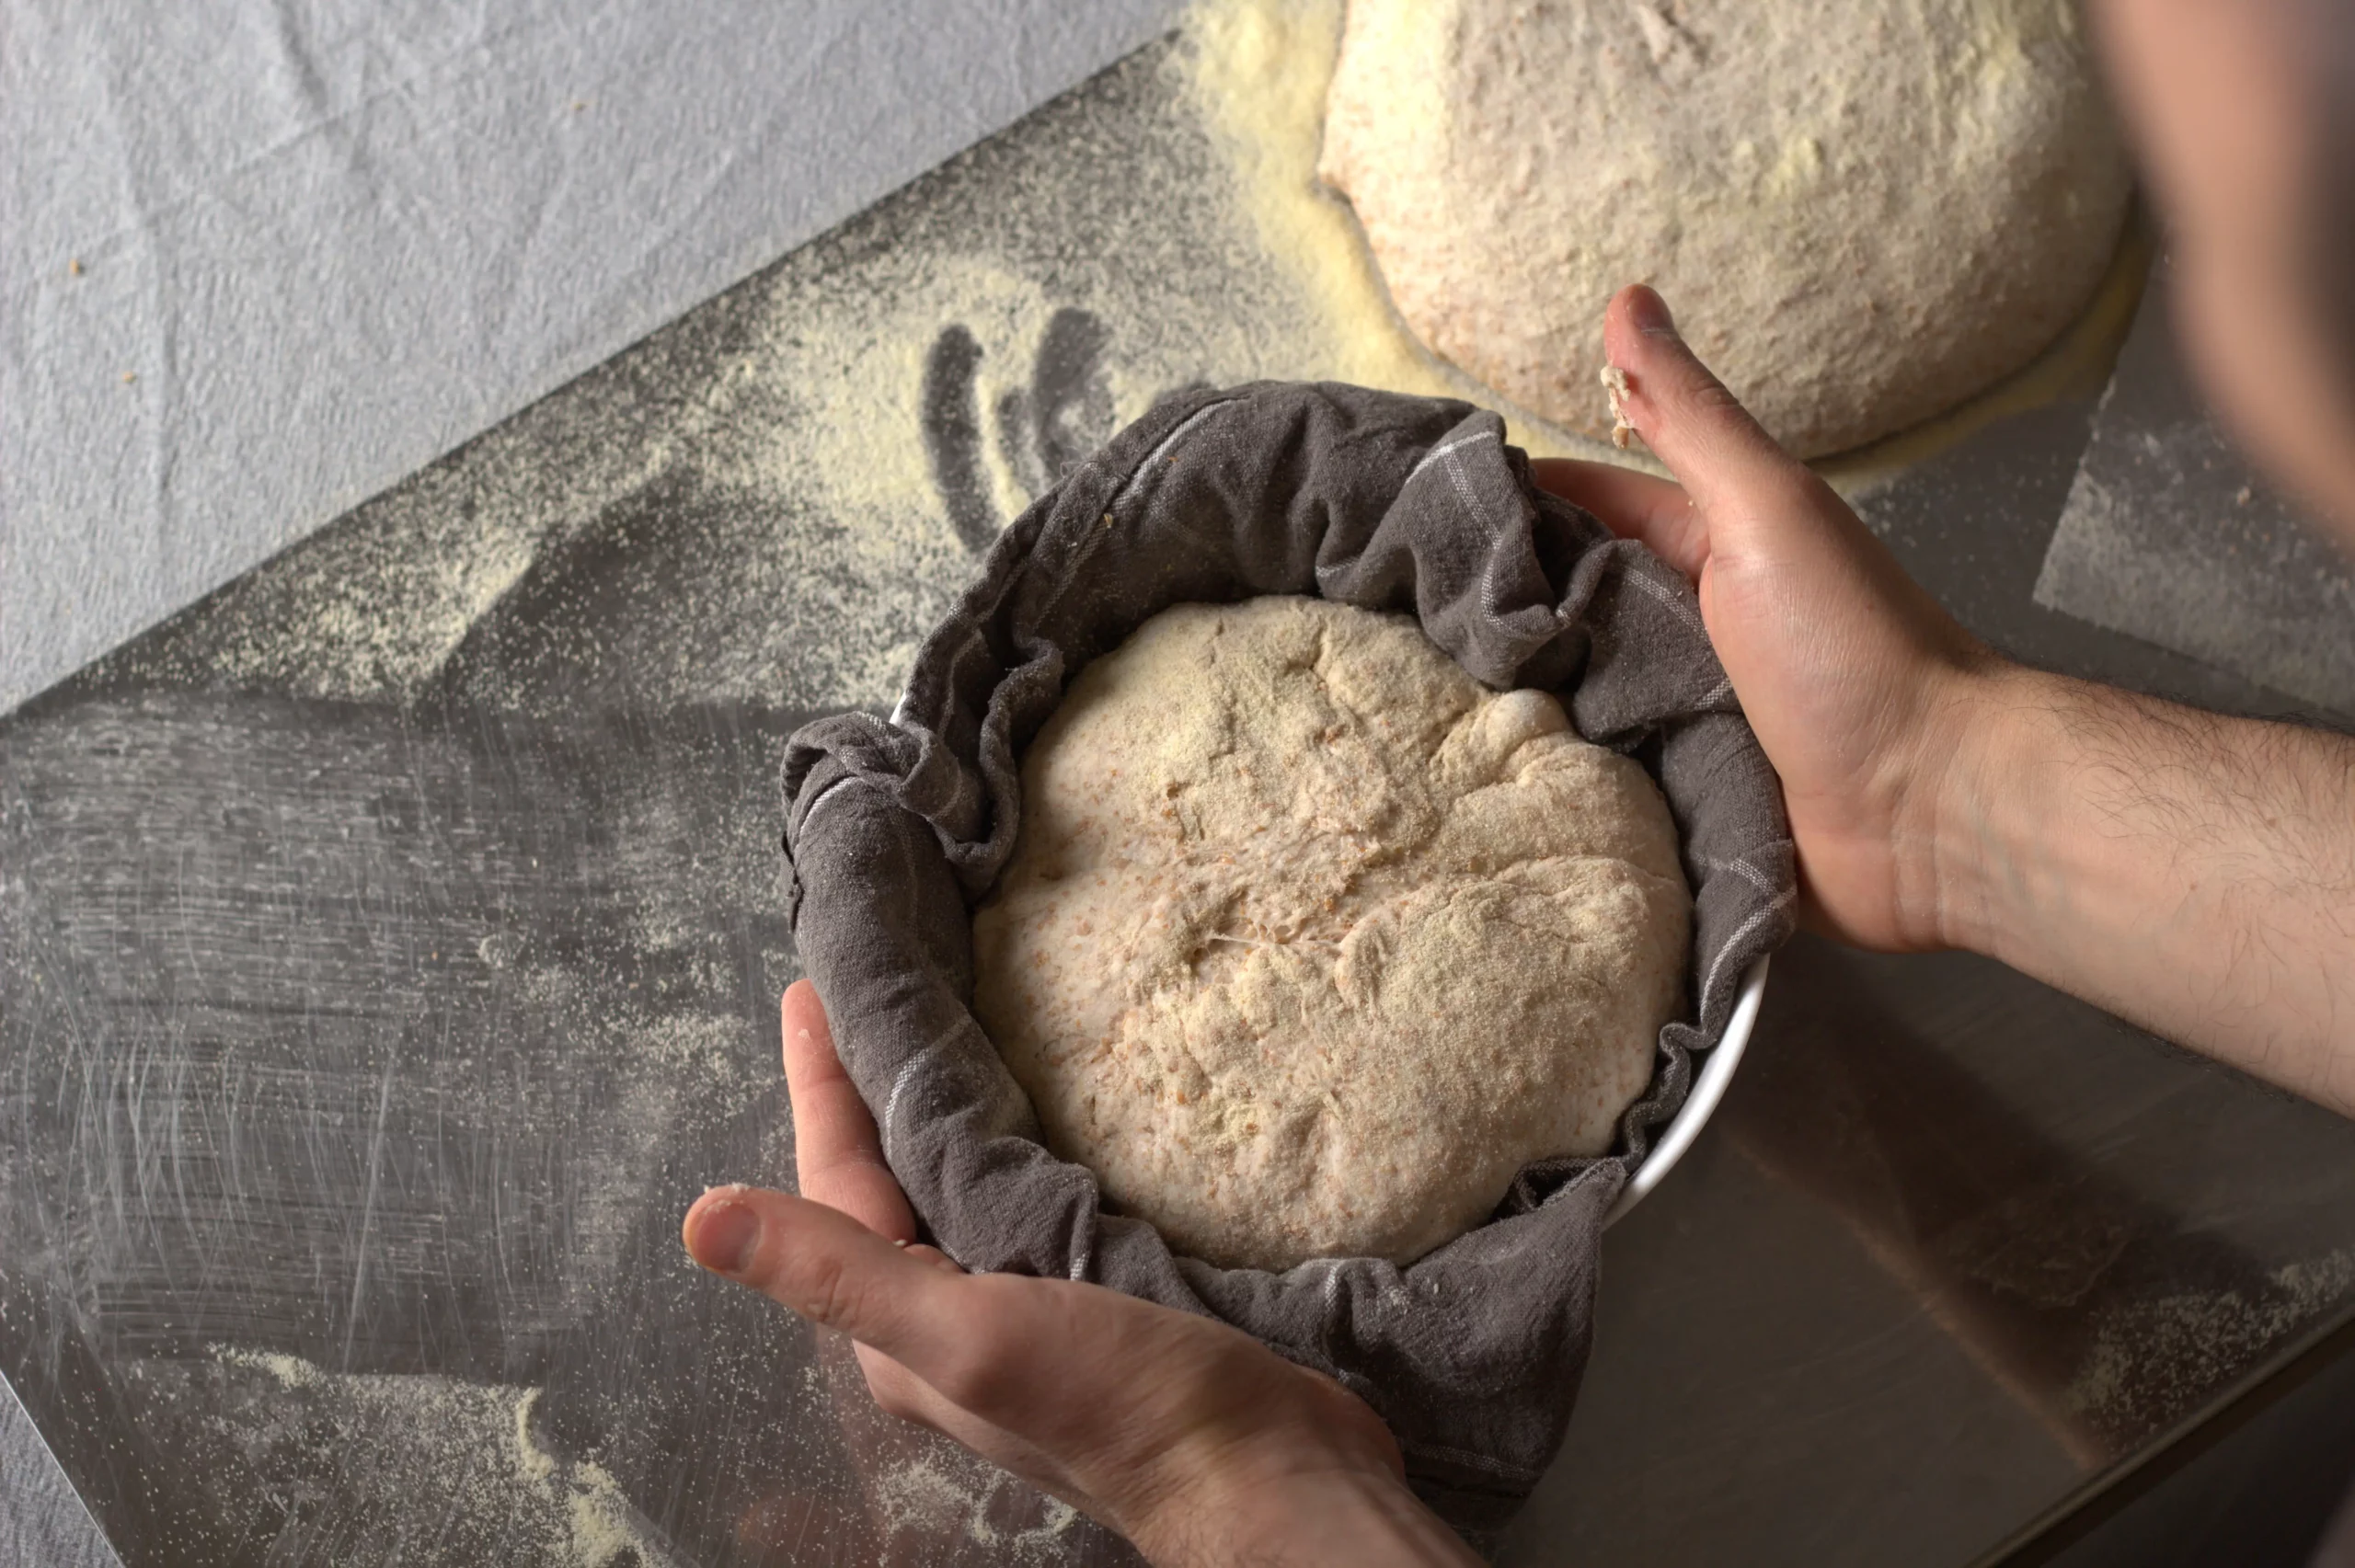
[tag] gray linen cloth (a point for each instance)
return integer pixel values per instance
(895, 829)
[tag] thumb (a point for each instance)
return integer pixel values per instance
(1723, 458)
(830, 1268)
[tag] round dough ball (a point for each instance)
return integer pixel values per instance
(1861, 212)
(1310, 942)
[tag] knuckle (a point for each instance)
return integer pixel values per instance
(1708, 393)
(984, 1372)
(974, 1378)
(825, 1292)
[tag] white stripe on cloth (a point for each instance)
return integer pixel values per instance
(1671, 597)
(1741, 933)
(891, 1104)
(1452, 447)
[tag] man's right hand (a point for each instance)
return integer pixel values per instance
(2188, 871)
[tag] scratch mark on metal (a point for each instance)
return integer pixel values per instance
(368, 1205)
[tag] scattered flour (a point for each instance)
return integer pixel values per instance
(921, 1495)
(2154, 1362)
(667, 1066)
(1259, 71)
(773, 499)
(498, 1494)
(292, 1371)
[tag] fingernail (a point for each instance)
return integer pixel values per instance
(1648, 312)
(726, 1237)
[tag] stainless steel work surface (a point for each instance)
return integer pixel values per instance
(391, 955)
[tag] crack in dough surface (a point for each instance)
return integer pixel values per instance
(1310, 942)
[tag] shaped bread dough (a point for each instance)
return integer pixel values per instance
(1860, 212)
(1310, 942)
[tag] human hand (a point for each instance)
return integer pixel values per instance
(1189, 1437)
(1859, 686)
(2189, 870)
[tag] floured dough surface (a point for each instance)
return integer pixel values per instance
(1861, 212)
(1310, 942)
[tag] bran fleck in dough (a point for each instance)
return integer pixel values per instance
(1310, 942)
(1862, 213)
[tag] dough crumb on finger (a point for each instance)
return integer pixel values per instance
(1615, 383)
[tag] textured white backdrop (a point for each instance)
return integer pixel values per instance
(330, 239)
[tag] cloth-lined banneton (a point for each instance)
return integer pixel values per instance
(896, 829)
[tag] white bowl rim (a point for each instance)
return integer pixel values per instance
(1708, 1087)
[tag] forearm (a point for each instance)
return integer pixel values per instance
(2191, 872)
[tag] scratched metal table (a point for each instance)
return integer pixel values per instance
(390, 954)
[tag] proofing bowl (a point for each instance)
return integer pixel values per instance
(1708, 1087)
